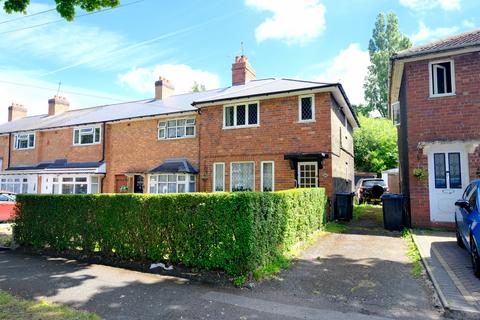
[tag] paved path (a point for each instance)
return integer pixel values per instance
(450, 268)
(359, 275)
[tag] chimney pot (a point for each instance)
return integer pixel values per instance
(16, 111)
(163, 88)
(242, 71)
(58, 105)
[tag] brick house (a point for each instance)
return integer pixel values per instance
(259, 135)
(435, 102)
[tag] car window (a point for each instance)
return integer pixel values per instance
(4, 197)
(371, 183)
(472, 200)
(467, 191)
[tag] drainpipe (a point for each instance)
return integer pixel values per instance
(199, 178)
(104, 134)
(9, 148)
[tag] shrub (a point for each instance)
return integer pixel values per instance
(237, 232)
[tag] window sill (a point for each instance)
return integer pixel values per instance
(241, 127)
(23, 149)
(307, 121)
(434, 96)
(85, 144)
(179, 138)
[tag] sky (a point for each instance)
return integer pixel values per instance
(116, 55)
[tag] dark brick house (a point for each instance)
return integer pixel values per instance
(435, 102)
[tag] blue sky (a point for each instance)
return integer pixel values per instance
(116, 55)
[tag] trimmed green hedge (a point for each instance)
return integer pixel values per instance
(237, 232)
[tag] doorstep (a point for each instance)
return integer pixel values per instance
(449, 268)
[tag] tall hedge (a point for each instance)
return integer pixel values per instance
(237, 232)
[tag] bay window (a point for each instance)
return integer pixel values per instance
(172, 183)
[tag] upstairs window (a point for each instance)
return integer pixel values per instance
(442, 78)
(25, 141)
(242, 115)
(306, 108)
(86, 136)
(178, 128)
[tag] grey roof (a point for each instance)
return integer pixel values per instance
(455, 42)
(58, 164)
(151, 107)
(175, 166)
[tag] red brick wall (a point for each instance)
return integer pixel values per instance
(279, 133)
(446, 118)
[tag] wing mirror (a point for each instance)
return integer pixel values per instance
(464, 204)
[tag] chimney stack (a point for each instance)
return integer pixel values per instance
(58, 105)
(242, 71)
(163, 88)
(16, 111)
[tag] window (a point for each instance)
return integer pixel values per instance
(454, 170)
(14, 184)
(24, 141)
(242, 176)
(75, 185)
(86, 136)
(306, 108)
(242, 115)
(307, 174)
(396, 113)
(472, 200)
(442, 78)
(172, 183)
(268, 174)
(178, 128)
(218, 177)
(440, 171)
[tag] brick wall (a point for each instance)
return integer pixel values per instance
(279, 133)
(446, 118)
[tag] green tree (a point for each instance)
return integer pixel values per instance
(386, 40)
(197, 87)
(66, 8)
(375, 145)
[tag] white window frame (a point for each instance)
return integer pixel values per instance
(50, 182)
(433, 76)
(299, 172)
(246, 125)
(396, 121)
(215, 176)
(165, 128)
(80, 135)
(25, 183)
(261, 174)
(311, 96)
(28, 134)
(186, 182)
(231, 173)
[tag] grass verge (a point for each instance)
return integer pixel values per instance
(14, 308)
(359, 210)
(412, 253)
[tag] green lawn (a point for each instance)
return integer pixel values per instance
(14, 308)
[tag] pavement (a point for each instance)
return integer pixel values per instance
(360, 274)
(450, 269)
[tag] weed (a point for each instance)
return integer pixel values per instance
(412, 253)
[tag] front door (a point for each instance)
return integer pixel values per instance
(307, 174)
(448, 176)
(138, 184)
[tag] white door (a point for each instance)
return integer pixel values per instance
(307, 174)
(447, 177)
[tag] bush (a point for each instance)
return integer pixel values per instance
(237, 232)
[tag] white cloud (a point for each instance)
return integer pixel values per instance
(350, 68)
(424, 5)
(468, 23)
(293, 21)
(23, 88)
(425, 33)
(180, 75)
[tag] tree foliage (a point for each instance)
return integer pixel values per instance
(375, 145)
(66, 8)
(198, 87)
(386, 40)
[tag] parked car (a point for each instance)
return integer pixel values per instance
(467, 218)
(370, 190)
(7, 205)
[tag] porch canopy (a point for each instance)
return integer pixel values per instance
(175, 166)
(59, 166)
(295, 158)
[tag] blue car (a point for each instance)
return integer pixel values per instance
(467, 222)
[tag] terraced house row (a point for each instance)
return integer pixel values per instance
(256, 135)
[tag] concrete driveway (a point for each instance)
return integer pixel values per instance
(360, 274)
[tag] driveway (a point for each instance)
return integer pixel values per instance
(360, 274)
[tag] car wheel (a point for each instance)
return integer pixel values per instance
(475, 257)
(459, 239)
